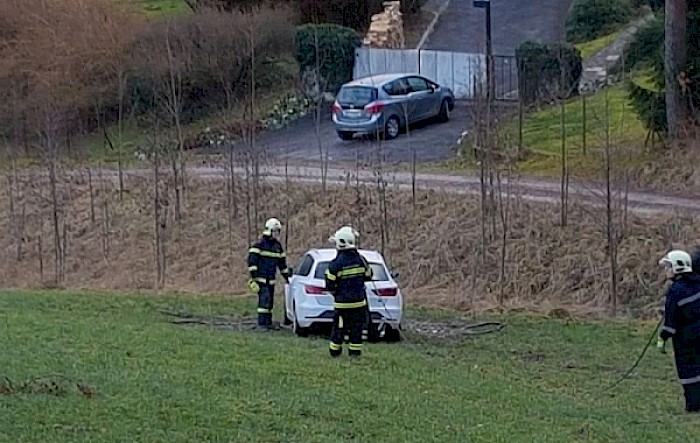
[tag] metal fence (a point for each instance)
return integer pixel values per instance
(505, 70)
(461, 71)
(455, 70)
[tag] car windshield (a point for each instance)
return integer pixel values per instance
(378, 271)
(357, 95)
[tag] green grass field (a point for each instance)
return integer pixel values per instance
(155, 8)
(589, 49)
(537, 380)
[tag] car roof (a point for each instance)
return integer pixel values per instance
(327, 254)
(379, 79)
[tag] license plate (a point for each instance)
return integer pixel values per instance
(353, 113)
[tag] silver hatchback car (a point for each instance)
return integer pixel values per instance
(384, 104)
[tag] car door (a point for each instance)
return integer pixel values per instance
(400, 99)
(296, 282)
(421, 96)
(434, 99)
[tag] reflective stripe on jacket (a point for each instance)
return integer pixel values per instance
(264, 258)
(345, 279)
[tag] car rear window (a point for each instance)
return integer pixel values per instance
(377, 269)
(357, 95)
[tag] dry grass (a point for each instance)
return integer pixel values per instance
(435, 245)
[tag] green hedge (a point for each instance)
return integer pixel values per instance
(590, 19)
(335, 47)
(540, 71)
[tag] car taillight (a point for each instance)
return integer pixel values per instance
(386, 292)
(336, 109)
(313, 290)
(374, 108)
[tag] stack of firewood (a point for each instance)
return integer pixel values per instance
(386, 29)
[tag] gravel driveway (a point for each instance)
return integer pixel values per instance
(431, 141)
(461, 27)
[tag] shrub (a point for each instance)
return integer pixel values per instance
(646, 49)
(540, 71)
(332, 47)
(590, 19)
(649, 105)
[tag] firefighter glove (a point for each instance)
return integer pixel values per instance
(661, 345)
(253, 286)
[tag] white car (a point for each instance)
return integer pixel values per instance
(307, 304)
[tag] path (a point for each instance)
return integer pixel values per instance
(535, 190)
(595, 67)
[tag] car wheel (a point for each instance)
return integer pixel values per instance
(345, 135)
(392, 334)
(298, 330)
(392, 127)
(444, 115)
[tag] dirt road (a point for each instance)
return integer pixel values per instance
(537, 190)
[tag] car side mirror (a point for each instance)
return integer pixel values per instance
(394, 274)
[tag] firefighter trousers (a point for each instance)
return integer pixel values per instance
(353, 323)
(265, 304)
(692, 397)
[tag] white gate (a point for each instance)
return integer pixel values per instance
(456, 70)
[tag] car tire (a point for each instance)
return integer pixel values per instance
(298, 330)
(345, 136)
(444, 115)
(392, 128)
(392, 335)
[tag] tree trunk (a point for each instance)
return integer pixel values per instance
(674, 63)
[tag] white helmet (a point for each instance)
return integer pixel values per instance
(344, 238)
(272, 224)
(679, 261)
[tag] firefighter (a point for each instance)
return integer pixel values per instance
(682, 323)
(265, 257)
(368, 322)
(345, 279)
(695, 258)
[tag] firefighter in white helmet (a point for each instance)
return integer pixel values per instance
(345, 279)
(265, 257)
(682, 323)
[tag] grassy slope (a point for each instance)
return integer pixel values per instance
(162, 7)
(159, 382)
(542, 130)
(542, 134)
(592, 47)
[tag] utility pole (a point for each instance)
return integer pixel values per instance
(486, 4)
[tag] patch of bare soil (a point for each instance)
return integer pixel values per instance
(424, 328)
(448, 252)
(456, 328)
(55, 385)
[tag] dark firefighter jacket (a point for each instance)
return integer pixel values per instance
(682, 323)
(345, 279)
(264, 258)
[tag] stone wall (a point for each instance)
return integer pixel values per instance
(386, 28)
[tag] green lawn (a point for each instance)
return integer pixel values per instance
(163, 7)
(592, 47)
(542, 131)
(538, 380)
